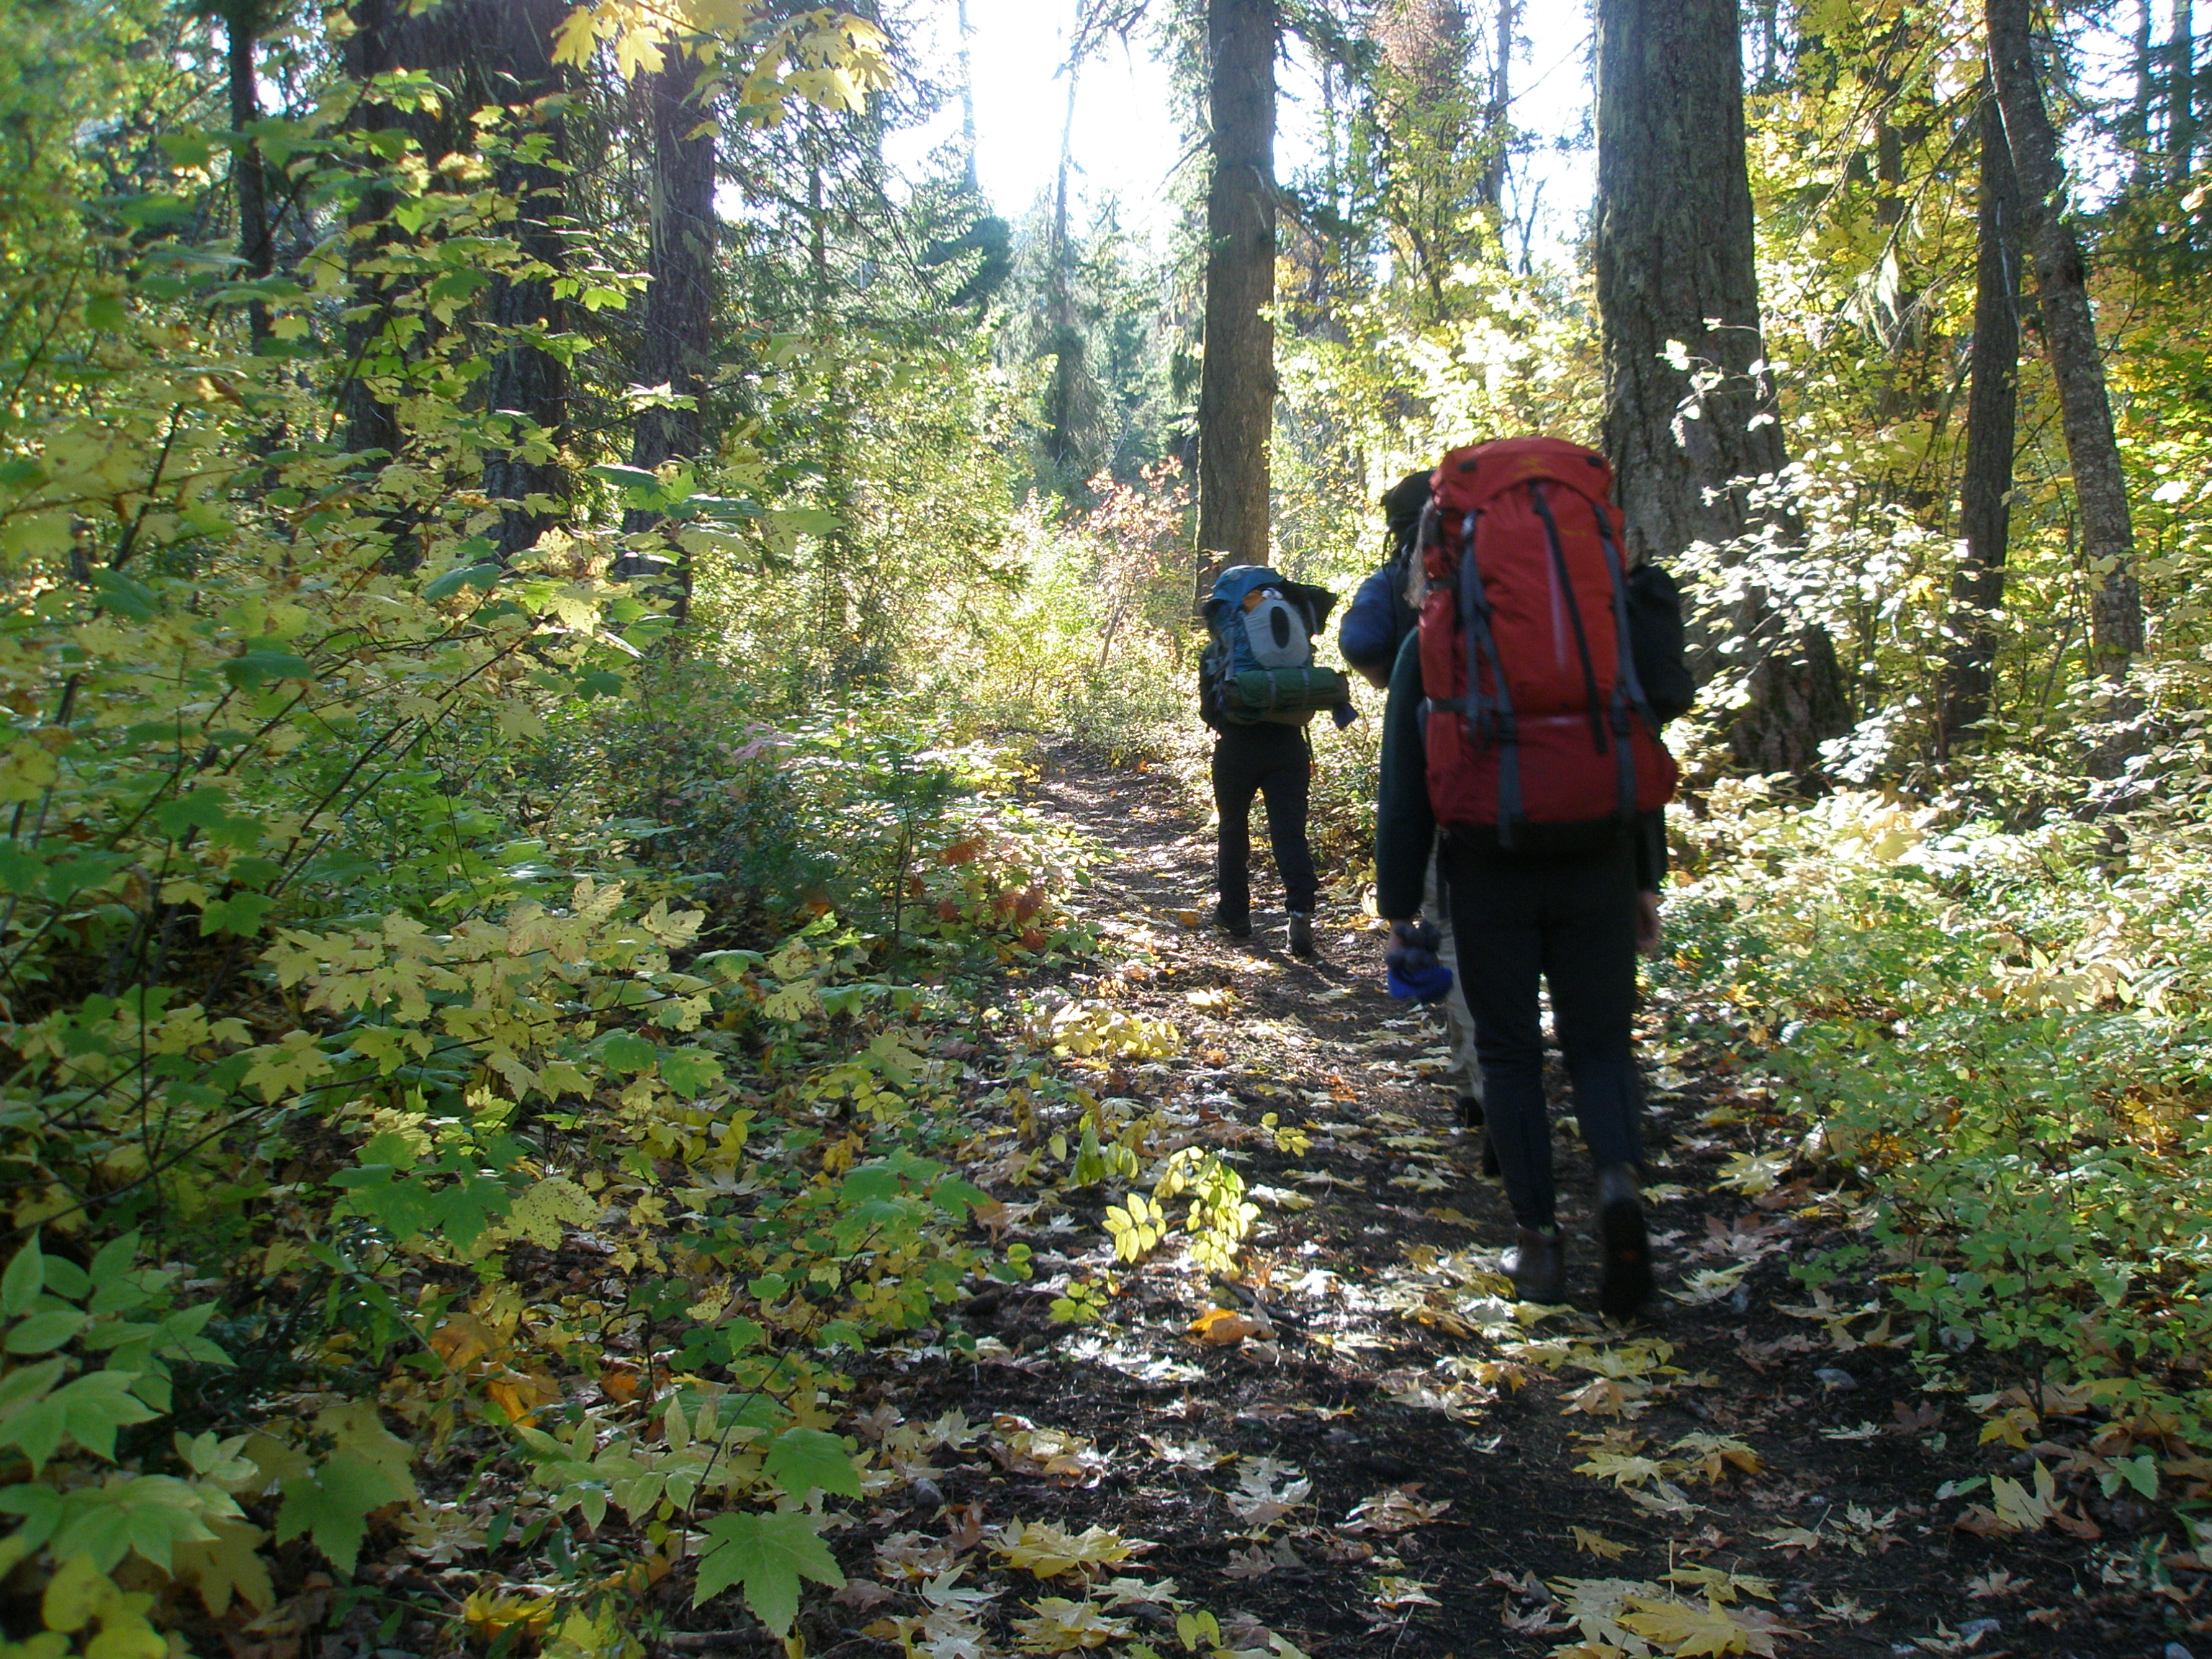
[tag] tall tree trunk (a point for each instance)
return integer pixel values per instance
(968, 103)
(527, 381)
(1064, 412)
(242, 21)
(1237, 386)
(1985, 491)
(2135, 127)
(675, 329)
(1498, 114)
(1676, 273)
(2181, 92)
(1768, 13)
(2069, 329)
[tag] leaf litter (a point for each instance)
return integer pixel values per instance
(1514, 1444)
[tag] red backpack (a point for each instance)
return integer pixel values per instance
(1536, 728)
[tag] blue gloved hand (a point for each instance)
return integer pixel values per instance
(1344, 713)
(1410, 963)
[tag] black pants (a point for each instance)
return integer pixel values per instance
(1572, 923)
(1273, 761)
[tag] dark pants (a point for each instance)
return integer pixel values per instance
(1273, 761)
(1572, 923)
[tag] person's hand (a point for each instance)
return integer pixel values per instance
(1409, 962)
(1649, 934)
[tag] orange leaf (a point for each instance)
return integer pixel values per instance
(1224, 1327)
(462, 1338)
(523, 1395)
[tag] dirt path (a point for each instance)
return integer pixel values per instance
(1399, 1461)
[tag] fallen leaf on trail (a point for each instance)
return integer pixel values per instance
(861, 1594)
(1022, 1448)
(1136, 1592)
(1393, 1511)
(909, 1556)
(1066, 1626)
(963, 1527)
(1688, 1628)
(1915, 1419)
(1708, 1455)
(1999, 1583)
(1792, 1540)
(1188, 1453)
(1214, 1057)
(1710, 1285)
(1049, 1551)
(1719, 1584)
(1225, 1327)
(1186, 918)
(1254, 1563)
(1591, 1543)
(1395, 1592)
(1455, 1217)
(1267, 1490)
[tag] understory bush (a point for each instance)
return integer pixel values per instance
(2005, 1040)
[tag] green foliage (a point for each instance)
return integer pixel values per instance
(769, 1555)
(2005, 1046)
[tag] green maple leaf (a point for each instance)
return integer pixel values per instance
(805, 1458)
(769, 1554)
(332, 1506)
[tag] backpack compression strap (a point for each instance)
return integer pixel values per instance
(1475, 709)
(1628, 689)
(1574, 613)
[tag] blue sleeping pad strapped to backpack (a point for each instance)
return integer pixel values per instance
(1260, 662)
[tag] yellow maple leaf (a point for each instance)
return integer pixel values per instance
(1689, 1630)
(1591, 1543)
(1047, 1551)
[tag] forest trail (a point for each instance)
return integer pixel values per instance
(1398, 1461)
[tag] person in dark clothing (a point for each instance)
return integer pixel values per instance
(1575, 923)
(1275, 763)
(1382, 616)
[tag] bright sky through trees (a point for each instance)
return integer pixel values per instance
(1129, 140)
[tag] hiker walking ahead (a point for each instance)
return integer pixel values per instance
(1518, 722)
(1258, 689)
(1380, 618)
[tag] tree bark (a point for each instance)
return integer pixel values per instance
(1237, 386)
(242, 21)
(2070, 331)
(1992, 419)
(676, 328)
(1676, 273)
(2181, 92)
(1499, 117)
(527, 381)
(967, 102)
(2134, 126)
(1069, 404)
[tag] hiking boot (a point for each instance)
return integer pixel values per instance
(1235, 927)
(1302, 938)
(1624, 1282)
(1537, 1264)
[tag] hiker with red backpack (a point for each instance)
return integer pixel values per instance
(1258, 688)
(1523, 727)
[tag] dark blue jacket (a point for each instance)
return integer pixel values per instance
(1377, 623)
